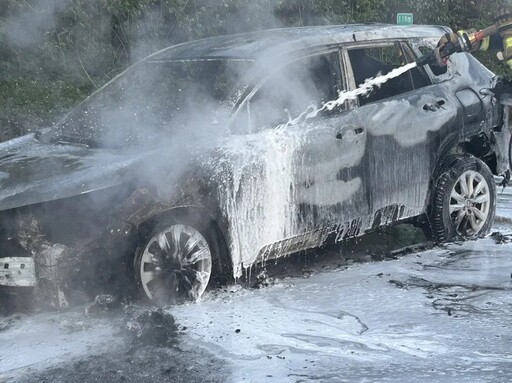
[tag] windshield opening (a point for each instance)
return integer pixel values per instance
(154, 100)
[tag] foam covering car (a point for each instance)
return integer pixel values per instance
(213, 156)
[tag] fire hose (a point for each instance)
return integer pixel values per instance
(465, 43)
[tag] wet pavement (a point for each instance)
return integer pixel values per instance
(438, 315)
(442, 315)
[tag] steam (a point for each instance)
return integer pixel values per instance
(29, 26)
(258, 169)
(259, 174)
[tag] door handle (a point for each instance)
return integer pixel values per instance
(434, 106)
(349, 132)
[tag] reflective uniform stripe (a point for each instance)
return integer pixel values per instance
(507, 43)
(485, 44)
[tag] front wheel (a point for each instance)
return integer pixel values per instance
(464, 200)
(174, 263)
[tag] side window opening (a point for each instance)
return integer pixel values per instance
(305, 83)
(369, 62)
(420, 78)
(436, 70)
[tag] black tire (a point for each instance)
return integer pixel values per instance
(177, 280)
(447, 219)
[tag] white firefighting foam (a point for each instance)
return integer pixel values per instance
(258, 196)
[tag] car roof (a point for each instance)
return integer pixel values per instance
(253, 45)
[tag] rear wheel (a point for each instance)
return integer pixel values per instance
(174, 264)
(464, 201)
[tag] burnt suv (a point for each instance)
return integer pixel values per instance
(209, 157)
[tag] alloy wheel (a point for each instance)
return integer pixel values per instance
(175, 265)
(470, 203)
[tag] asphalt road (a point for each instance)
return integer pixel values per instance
(436, 315)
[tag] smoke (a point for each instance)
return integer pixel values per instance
(188, 115)
(177, 106)
(160, 26)
(28, 24)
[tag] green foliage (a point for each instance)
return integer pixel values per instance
(53, 53)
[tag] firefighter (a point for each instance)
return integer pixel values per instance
(502, 41)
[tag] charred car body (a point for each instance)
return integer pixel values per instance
(211, 156)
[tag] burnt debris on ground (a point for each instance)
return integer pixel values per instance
(103, 303)
(151, 327)
(140, 325)
(501, 238)
(138, 365)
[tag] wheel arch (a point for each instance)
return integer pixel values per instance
(444, 157)
(478, 145)
(481, 147)
(451, 149)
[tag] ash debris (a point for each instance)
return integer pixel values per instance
(146, 365)
(151, 328)
(149, 351)
(141, 326)
(458, 300)
(501, 238)
(506, 180)
(263, 280)
(8, 322)
(103, 303)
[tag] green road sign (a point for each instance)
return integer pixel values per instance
(404, 18)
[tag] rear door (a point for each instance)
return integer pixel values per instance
(406, 119)
(311, 173)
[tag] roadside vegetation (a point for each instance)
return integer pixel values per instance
(53, 53)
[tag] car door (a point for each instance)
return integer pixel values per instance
(406, 119)
(308, 181)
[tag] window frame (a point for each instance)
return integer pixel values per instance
(401, 44)
(341, 81)
(430, 42)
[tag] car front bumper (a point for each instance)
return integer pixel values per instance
(17, 272)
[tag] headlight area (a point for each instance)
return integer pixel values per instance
(66, 251)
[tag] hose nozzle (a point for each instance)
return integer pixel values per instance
(465, 42)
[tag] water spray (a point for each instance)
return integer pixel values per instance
(367, 86)
(465, 43)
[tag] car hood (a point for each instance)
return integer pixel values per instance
(33, 172)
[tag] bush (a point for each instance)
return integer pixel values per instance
(53, 53)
